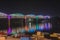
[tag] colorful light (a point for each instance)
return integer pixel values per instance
(30, 17)
(41, 27)
(24, 38)
(26, 27)
(13, 33)
(9, 17)
(47, 17)
(46, 26)
(22, 31)
(37, 26)
(31, 30)
(16, 14)
(9, 29)
(41, 16)
(49, 25)
(3, 14)
(29, 23)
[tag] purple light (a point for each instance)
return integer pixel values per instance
(49, 24)
(9, 16)
(46, 25)
(9, 30)
(47, 17)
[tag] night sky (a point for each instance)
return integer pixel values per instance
(35, 7)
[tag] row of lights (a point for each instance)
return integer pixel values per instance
(25, 16)
(20, 14)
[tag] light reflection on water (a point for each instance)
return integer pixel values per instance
(33, 28)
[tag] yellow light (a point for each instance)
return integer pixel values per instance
(2, 38)
(53, 35)
(38, 33)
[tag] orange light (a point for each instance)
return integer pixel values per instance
(9, 23)
(25, 17)
(26, 28)
(2, 38)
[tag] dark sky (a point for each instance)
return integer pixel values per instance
(27, 7)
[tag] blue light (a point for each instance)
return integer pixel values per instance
(31, 30)
(24, 38)
(41, 28)
(22, 31)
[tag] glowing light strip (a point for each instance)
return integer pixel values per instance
(16, 14)
(37, 26)
(31, 30)
(46, 26)
(47, 17)
(41, 16)
(26, 27)
(9, 29)
(41, 27)
(49, 25)
(3, 14)
(30, 23)
(30, 15)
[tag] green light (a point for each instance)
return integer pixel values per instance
(37, 26)
(17, 14)
(13, 33)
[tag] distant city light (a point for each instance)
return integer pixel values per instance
(3, 14)
(47, 17)
(18, 14)
(40, 16)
